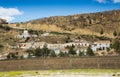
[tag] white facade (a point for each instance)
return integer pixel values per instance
(31, 45)
(57, 51)
(25, 55)
(100, 45)
(25, 34)
(38, 44)
(79, 46)
(45, 34)
(24, 45)
(56, 47)
(81, 50)
(3, 56)
(80, 43)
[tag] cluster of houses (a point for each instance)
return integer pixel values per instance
(80, 45)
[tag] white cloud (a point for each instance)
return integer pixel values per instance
(101, 1)
(107, 1)
(9, 13)
(116, 1)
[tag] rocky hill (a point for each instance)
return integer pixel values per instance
(92, 23)
(3, 21)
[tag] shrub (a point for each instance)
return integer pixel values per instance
(52, 54)
(90, 52)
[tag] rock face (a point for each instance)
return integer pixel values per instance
(3, 21)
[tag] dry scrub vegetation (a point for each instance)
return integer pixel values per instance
(93, 23)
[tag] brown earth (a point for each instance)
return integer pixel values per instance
(91, 23)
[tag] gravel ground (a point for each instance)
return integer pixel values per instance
(71, 75)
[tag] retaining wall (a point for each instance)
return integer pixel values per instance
(61, 63)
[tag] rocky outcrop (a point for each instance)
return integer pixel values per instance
(3, 21)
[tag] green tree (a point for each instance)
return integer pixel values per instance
(8, 56)
(81, 53)
(38, 52)
(30, 53)
(115, 33)
(52, 54)
(46, 51)
(108, 49)
(116, 46)
(71, 50)
(90, 52)
(66, 54)
(21, 57)
(7, 28)
(12, 56)
(61, 54)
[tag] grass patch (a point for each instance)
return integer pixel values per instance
(10, 74)
(49, 72)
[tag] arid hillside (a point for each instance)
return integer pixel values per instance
(106, 22)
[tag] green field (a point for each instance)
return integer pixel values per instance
(38, 73)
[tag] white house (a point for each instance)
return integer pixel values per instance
(57, 51)
(24, 45)
(45, 34)
(82, 49)
(3, 56)
(26, 34)
(29, 45)
(38, 44)
(80, 43)
(100, 45)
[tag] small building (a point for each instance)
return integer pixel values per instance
(38, 44)
(80, 43)
(57, 51)
(2, 57)
(100, 45)
(26, 34)
(29, 45)
(24, 45)
(45, 34)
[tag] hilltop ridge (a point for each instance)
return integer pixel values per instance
(90, 23)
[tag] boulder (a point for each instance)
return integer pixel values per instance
(3, 21)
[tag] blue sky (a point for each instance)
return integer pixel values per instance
(25, 10)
